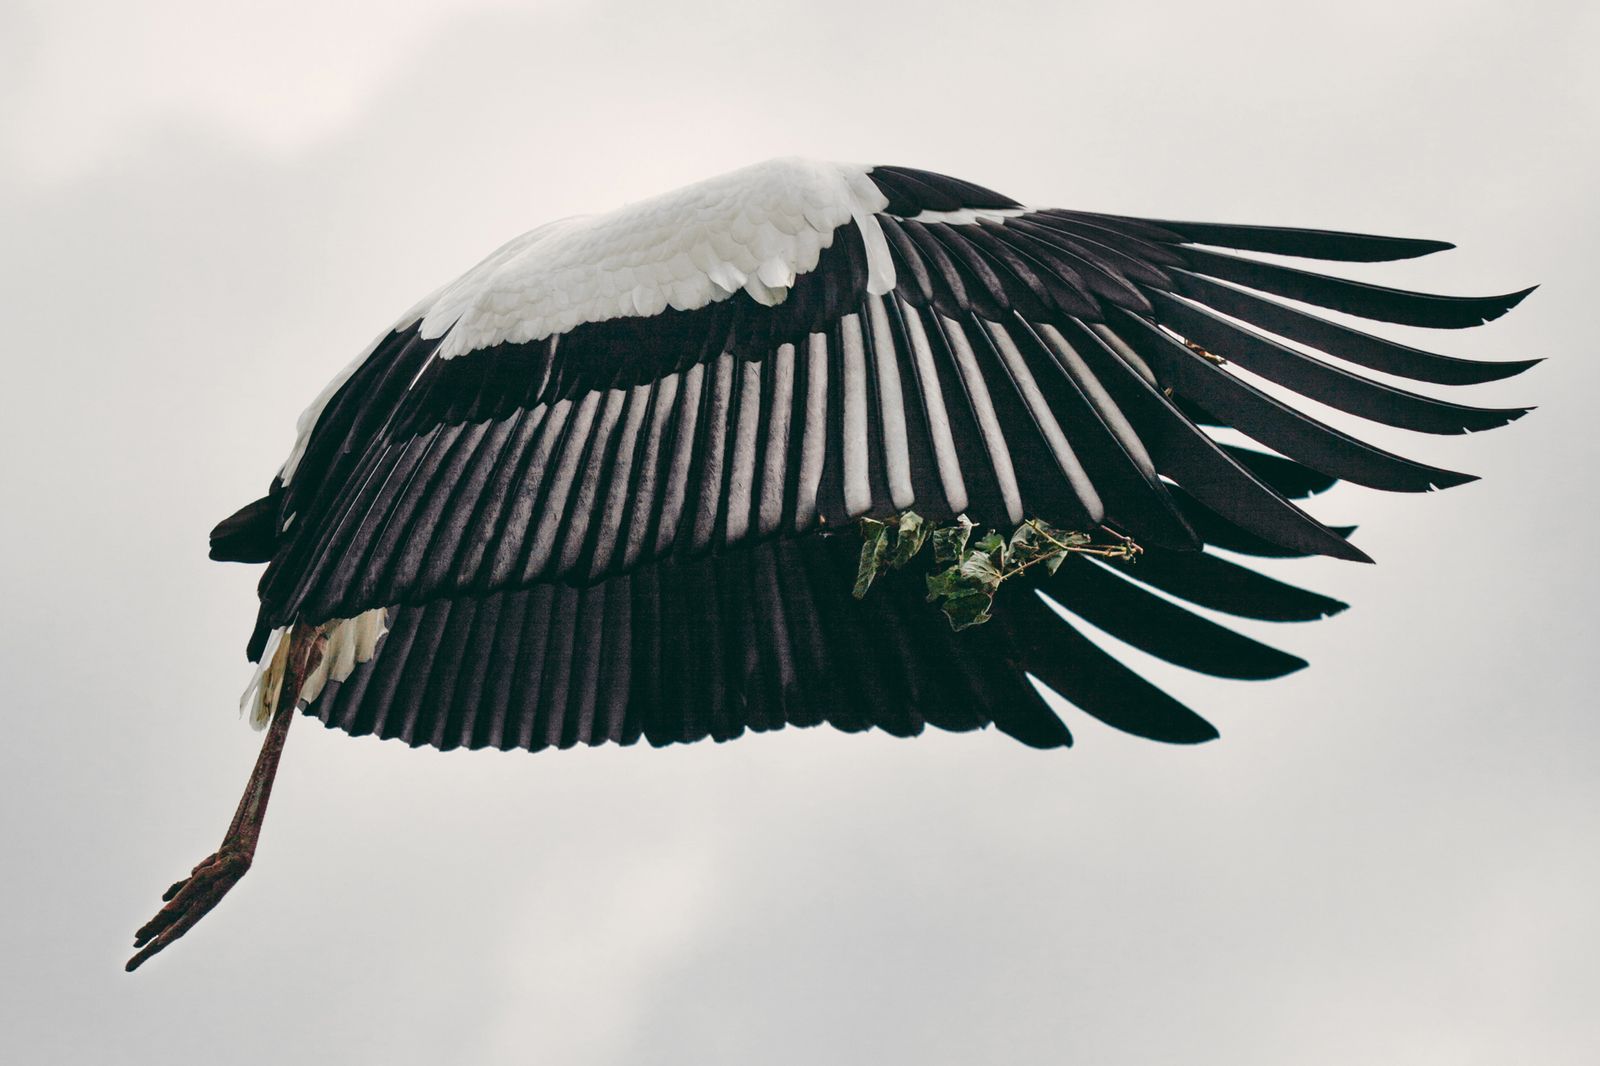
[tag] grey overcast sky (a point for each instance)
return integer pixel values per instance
(207, 209)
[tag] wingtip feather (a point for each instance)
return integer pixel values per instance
(1417, 247)
(1506, 302)
(1500, 371)
(1349, 551)
(1450, 479)
(1198, 736)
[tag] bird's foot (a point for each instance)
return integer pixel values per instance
(188, 901)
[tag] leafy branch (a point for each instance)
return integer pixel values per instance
(968, 573)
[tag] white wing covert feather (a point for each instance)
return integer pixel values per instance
(752, 230)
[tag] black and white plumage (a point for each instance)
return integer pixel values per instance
(552, 474)
(600, 487)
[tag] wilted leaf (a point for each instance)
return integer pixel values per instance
(1026, 539)
(967, 588)
(910, 534)
(967, 575)
(1070, 538)
(978, 570)
(950, 541)
(968, 609)
(990, 543)
(945, 582)
(875, 538)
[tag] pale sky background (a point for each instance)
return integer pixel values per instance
(207, 209)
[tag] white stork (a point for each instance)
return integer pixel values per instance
(603, 486)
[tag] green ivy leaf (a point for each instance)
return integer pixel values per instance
(967, 575)
(979, 571)
(967, 588)
(1068, 538)
(967, 609)
(950, 541)
(1026, 540)
(875, 540)
(910, 534)
(944, 583)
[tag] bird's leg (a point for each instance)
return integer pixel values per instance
(193, 898)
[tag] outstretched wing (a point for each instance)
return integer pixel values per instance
(616, 440)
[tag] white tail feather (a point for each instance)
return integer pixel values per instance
(347, 643)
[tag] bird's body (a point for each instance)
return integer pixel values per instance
(603, 487)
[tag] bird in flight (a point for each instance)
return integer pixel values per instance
(612, 482)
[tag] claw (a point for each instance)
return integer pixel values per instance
(191, 899)
(177, 886)
(188, 901)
